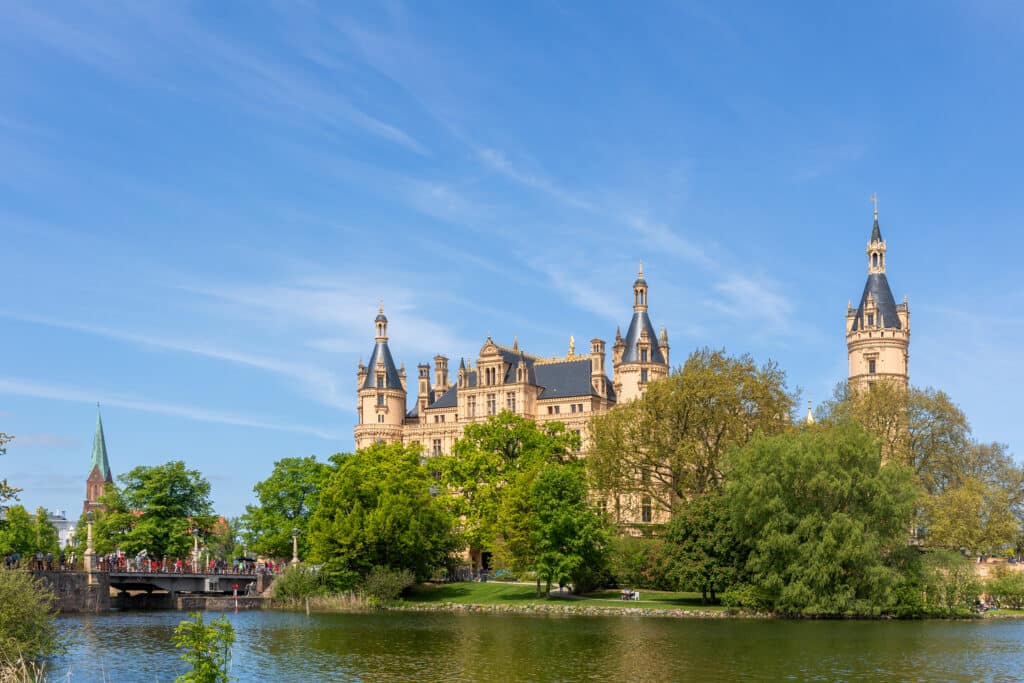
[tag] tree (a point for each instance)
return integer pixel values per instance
(377, 509)
(701, 549)
(27, 610)
(976, 517)
(7, 492)
(47, 540)
(672, 443)
(287, 498)
(486, 461)
(206, 647)
(155, 510)
(825, 522)
(18, 534)
(549, 527)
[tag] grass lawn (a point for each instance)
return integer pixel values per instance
(498, 593)
(1005, 614)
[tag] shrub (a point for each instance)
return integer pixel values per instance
(949, 584)
(1007, 588)
(27, 610)
(206, 647)
(298, 583)
(384, 583)
(639, 563)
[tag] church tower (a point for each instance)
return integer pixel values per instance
(878, 330)
(99, 474)
(642, 356)
(382, 392)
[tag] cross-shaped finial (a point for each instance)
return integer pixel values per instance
(874, 199)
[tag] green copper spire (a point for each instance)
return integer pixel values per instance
(99, 449)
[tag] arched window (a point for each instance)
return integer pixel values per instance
(874, 259)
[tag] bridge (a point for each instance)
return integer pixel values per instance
(210, 584)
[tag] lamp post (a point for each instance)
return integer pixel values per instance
(195, 550)
(295, 546)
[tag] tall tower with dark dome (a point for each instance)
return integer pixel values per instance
(381, 392)
(878, 329)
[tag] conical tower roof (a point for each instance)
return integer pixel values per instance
(99, 450)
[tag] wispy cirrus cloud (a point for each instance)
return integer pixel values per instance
(34, 389)
(46, 439)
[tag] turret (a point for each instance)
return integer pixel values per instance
(638, 358)
(598, 380)
(440, 374)
(382, 392)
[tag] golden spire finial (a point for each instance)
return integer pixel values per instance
(380, 305)
(572, 346)
(641, 267)
(874, 200)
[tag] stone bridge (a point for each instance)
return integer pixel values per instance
(215, 584)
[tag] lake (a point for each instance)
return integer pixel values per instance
(415, 646)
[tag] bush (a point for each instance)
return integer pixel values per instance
(298, 583)
(950, 586)
(206, 647)
(639, 563)
(27, 610)
(1007, 588)
(384, 583)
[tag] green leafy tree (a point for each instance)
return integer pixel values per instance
(701, 549)
(287, 499)
(1007, 587)
(673, 442)
(28, 606)
(975, 516)
(825, 523)
(47, 540)
(207, 647)
(7, 492)
(377, 509)
(18, 535)
(551, 528)
(155, 510)
(487, 460)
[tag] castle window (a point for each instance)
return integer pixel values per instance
(573, 408)
(380, 418)
(871, 366)
(471, 406)
(871, 319)
(442, 418)
(437, 446)
(551, 410)
(643, 355)
(558, 409)
(874, 260)
(643, 377)
(602, 507)
(492, 404)
(645, 511)
(380, 381)
(380, 399)
(510, 402)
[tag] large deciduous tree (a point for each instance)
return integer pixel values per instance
(825, 522)
(700, 547)
(156, 509)
(287, 499)
(377, 509)
(671, 444)
(487, 460)
(18, 533)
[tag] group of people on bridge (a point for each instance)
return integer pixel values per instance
(40, 562)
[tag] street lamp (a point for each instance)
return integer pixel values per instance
(195, 550)
(295, 546)
(90, 554)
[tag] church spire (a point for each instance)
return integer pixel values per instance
(99, 450)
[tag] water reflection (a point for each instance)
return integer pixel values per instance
(469, 647)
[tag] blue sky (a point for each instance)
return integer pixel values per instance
(202, 203)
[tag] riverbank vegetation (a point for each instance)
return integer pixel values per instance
(28, 633)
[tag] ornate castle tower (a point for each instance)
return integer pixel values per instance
(878, 330)
(381, 393)
(99, 475)
(642, 356)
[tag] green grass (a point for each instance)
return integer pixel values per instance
(495, 593)
(1005, 613)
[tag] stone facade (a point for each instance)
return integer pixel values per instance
(878, 330)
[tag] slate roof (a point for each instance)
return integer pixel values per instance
(876, 232)
(640, 322)
(878, 287)
(392, 380)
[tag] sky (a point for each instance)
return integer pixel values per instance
(202, 204)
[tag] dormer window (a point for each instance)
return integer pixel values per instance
(380, 381)
(871, 366)
(871, 319)
(643, 355)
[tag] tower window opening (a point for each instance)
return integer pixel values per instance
(645, 511)
(380, 399)
(380, 381)
(871, 319)
(643, 376)
(643, 355)
(871, 367)
(874, 260)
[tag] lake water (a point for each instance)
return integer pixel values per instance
(397, 646)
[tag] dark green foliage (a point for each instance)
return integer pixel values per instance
(27, 611)
(637, 562)
(18, 533)
(287, 499)
(377, 509)
(701, 548)
(383, 583)
(207, 647)
(824, 521)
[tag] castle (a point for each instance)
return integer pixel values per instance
(568, 389)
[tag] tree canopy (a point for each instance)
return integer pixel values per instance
(825, 522)
(287, 499)
(377, 509)
(672, 443)
(701, 549)
(7, 492)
